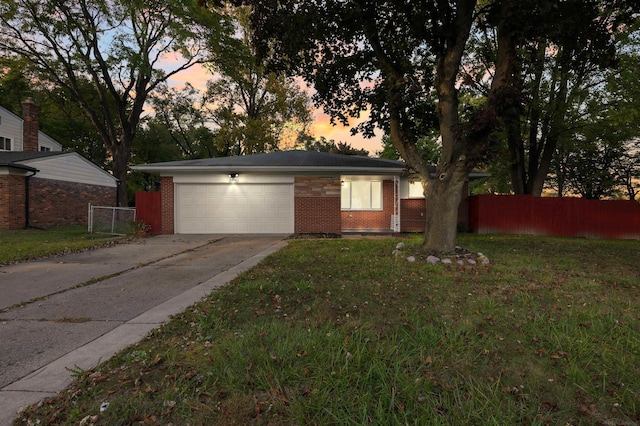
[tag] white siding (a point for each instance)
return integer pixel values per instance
(11, 127)
(47, 141)
(71, 167)
(224, 178)
(411, 188)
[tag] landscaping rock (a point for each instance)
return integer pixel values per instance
(433, 260)
(460, 256)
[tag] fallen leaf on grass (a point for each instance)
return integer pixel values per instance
(559, 354)
(150, 419)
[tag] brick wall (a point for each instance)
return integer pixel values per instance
(317, 205)
(379, 220)
(12, 208)
(412, 212)
(57, 203)
(166, 205)
(29, 126)
(412, 215)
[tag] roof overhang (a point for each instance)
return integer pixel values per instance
(17, 170)
(289, 170)
(288, 163)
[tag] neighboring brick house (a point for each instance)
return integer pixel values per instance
(289, 192)
(40, 185)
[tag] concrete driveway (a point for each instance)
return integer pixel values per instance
(76, 310)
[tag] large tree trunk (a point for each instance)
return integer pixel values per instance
(442, 198)
(120, 166)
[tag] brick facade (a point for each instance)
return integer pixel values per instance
(29, 126)
(51, 202)
(57, 203)
(371, 220)
(412, 215)
(412, 212)
(317, 205)
(317, 209)
(166, 205)
(12, 208)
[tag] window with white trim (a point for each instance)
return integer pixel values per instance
(361, 195)
(415, 189)
(5, 144)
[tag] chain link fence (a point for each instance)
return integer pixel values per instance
(112, 220)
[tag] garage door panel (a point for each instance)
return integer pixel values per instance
(234, 208)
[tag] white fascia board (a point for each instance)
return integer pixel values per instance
(365, 177)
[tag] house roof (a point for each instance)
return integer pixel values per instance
(58, 165)
(10, 157)
(281, 161)
(294, 161)
(13, 159)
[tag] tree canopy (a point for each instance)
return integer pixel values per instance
(563, 53)
(330, 145)
(252, 108)
(403, 60)
(123, 48)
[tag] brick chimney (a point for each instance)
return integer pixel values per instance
(30, 125)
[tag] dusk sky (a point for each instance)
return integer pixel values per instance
(198, 77)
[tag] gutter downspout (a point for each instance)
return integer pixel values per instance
(26, 198)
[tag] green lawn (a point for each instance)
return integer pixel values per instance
(340, 332)
(26, 244)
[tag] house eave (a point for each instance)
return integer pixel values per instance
(291, 170)
(17, 170)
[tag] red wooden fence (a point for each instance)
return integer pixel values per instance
(575, 217)
(148, 210)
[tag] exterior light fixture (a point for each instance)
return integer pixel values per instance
(233, 177)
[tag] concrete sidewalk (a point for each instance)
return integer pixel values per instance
(70, 326)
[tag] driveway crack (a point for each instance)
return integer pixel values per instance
(106, 277)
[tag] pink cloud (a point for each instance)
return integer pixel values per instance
(197, 76)
(323, 127)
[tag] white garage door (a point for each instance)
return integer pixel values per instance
(234, 208)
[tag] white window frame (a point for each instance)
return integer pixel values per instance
(4, 142)
(374, 202)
